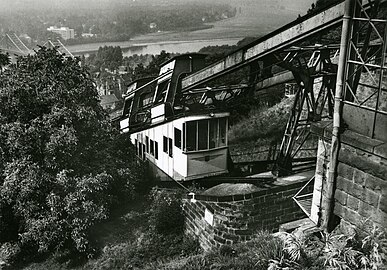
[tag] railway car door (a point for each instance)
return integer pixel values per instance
(167, 162)
(170, 157)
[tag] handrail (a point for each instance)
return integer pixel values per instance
(296, 197)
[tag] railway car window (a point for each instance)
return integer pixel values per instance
(191, 135)
(165, 144)
(170, 147)
(156, 150)
(162, 91)
(214, 133)
(128, 104)
(183, 136)
(222, 131)
(202, 135)
(147, 143)
(178, 138)
(152, 147)
(145, 99)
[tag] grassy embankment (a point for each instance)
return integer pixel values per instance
(262, 128)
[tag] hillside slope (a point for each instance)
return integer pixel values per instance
(264, 124)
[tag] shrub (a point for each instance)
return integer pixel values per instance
(364, 249)
(166, 213)
(150, 252)
(9, 252)
(162, 241)
(264, 247)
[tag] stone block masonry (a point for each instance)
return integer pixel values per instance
(219, 220)
(361, 191)
(361, 184)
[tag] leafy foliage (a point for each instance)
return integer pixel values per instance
(337, 251)
(107, 57)
(4, 60)
(216, 53)
(166, 214)
(159, 237)
(363, 249)
(153, 68)
(62, 166)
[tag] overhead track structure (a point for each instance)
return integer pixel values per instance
(276, 41)
(59, 46)
(284, 48)
(11, 43)
(311, 102)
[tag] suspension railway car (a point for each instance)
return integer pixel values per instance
(183, 136)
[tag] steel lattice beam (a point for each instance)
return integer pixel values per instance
(309, 104)
(365, 87)
(11, 43)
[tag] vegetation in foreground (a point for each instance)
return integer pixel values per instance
(159, 243)
(147, 232)
(357, 250)
(63, 167)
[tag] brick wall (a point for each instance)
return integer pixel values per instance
(236, 218)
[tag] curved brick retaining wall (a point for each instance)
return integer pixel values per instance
(219, 220)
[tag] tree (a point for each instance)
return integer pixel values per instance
(4, 60)
(108, 57)
(153, 68)
(62, 165)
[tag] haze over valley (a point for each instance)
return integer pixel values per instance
(131, 23)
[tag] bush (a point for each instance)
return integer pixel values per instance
(263, 248)
(150, 252)
(166, 213)
(9, 252)
(364, 249)
(162, 240)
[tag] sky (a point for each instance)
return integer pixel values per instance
(11, 5)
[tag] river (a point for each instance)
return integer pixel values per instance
(130, 48)
(252, 20)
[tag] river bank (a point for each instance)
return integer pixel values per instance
(144, 47)
(249, 21)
